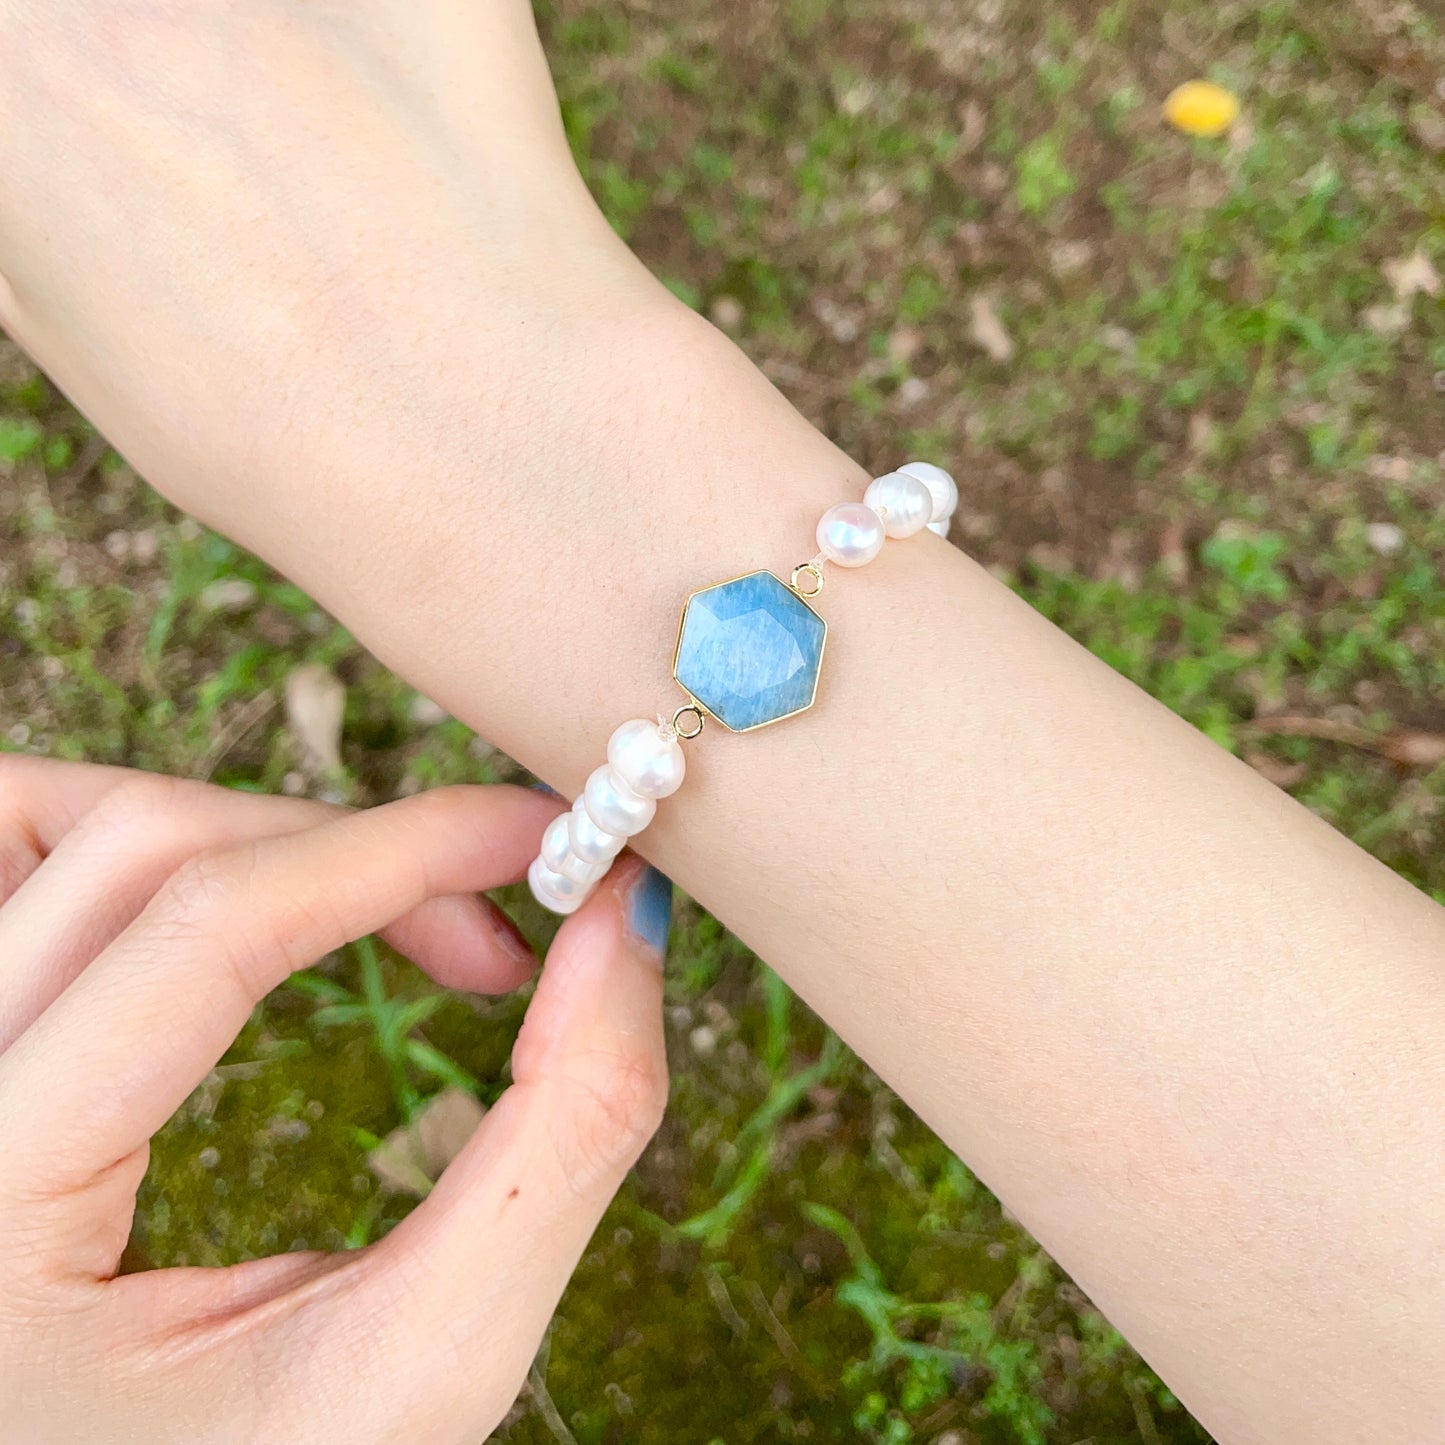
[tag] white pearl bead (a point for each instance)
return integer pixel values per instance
(556, 843)
(940, 529)
(554, 883)
(906, 503)
(943, 487)
(650, 763)
(537, 878)
(591, 844)
(850, 534)
(613, 806)
(579, 872)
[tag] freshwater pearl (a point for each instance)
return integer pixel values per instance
(538, 878)
(558, 885)
(905, 501)
(850, 534)
(650, 763)
(579, 872)
(613, 806)
(945, 491)
(591, 844)
(940, 529)
(556, 843)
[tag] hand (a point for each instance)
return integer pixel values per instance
(141, 920)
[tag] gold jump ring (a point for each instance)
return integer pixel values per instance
(815, 572)
(697, 713)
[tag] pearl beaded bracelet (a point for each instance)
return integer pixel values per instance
(748, 653)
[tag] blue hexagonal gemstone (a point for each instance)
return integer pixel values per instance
(749, 651)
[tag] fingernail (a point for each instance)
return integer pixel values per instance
(512, 943)
(649, 910)
(540, 787)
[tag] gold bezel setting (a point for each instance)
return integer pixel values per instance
(802, 600)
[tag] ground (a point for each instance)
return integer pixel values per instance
(1194, 391)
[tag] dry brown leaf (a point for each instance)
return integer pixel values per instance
(1051, 557)
(975, 126)
(315, 705)
(904, 343)
(1412, 275)
(411, 1159)
(987, 331)
(1387, 539)
(1174, 552)
(229, 594)
(1413, 748)
(727, 312)
(1387, 318)
(1428, 127)
(1068, 258)
(1276, 770)
(1409, 747)
(426, 713)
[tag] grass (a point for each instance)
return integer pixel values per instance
(1207, 459)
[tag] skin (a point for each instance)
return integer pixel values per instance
(1192, 1037)
(434, 1327)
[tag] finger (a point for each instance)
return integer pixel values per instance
(112, 836)
(141, 828)
(151, 824)
(40, 802)
(116, 1054)
(476, 1272)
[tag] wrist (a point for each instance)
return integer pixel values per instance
(604, 432)
(543, 546)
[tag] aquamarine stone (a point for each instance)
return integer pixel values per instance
(749, 651)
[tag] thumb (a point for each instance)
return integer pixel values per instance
(471, 1278)
(590, 1055)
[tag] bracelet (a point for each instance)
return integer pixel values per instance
(748, 654)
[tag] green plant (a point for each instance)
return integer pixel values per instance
(20, 437)
(902, 1376)
(1042, 176)
(393, 1022)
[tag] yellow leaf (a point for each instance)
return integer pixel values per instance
(1199, 107)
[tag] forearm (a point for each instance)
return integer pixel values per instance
(1189, 1034)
